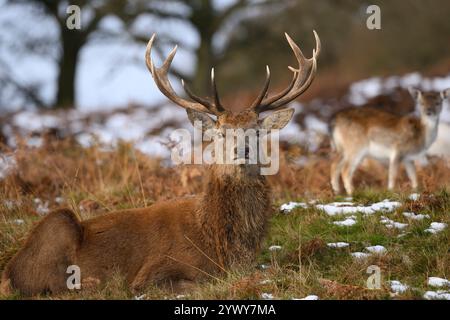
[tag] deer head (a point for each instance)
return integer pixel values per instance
(200, 109)
(429, 103)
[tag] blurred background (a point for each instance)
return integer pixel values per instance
(92, 83)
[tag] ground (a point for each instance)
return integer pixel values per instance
(298, 258)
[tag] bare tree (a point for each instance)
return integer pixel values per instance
(202, 15)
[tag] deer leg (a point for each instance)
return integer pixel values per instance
(168, 277)
(393, 170)
(146, 274)
(336, 168)
(351, 163)
(5, 287)
(411, 172)
(41, 264)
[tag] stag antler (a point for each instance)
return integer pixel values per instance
(302, 79)
(160, 75)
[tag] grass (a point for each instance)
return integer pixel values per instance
(94, 182)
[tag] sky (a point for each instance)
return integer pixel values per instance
(110, 74)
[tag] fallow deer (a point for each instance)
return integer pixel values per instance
(360, 132)
(176, 242)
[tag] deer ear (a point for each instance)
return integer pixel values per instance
(277, 120)
(200, 118)
(415, 93)
(445, 94)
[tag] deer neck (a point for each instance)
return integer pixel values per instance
(430, 125)
(234, 213)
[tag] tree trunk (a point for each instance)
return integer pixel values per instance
(204, 54)
(71, 43)
(203, 18)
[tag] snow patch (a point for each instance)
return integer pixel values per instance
(438, 282)
(360, 255)
(346, 223)
(398, 287)
(436, 227)
(390, 224)
(337, 244)
(413, 216)
(18, 221)
(288, 207)
(414, 196)
(267, 296)
(437, 295)
(338, 208)
(275, 248)
(376, 249)
(309, 297)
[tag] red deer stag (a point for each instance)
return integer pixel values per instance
(172, 243)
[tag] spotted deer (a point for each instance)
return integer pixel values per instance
(173, 243)
(368, 132)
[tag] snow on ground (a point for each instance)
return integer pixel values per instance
(413, 216)
(390, 224)
(41, 207)
(333, 209)
(350, 221)
(376, 249)
(274, 248)
(360, 92)
(438, 282)
(360, 255)
(437, 295)
(18, 221)
(337, 244)
(436, 227)
(309, 297)
(267, 296)
(288, 207)
(414, 196)
(398, 287)
(135, 125)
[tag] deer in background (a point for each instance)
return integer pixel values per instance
(360, 132)
(172, 243)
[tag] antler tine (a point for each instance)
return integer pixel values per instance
(275, 97)
(263, 92)
(303, 77)
(215, 93)
(160, 76)
(318, 43)
(196, 98)
(148, 56)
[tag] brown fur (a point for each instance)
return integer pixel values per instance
(367, 131)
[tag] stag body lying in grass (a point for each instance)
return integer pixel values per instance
(172, 243)
(361, 132)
